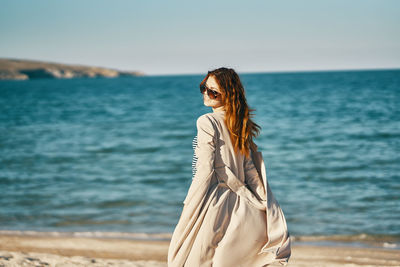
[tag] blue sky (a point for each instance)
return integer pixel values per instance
(182, 37)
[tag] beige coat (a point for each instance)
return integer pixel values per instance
(227, 218)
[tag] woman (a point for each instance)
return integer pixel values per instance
(230, 216)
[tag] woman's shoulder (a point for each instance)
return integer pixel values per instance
(210, 118)
(205, 120)
(208, 122)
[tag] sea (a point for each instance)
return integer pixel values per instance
(111, 157)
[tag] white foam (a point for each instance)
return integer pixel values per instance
(389, 245)
(141, 236)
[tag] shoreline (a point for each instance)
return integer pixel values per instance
(357, 241)
(46, 250)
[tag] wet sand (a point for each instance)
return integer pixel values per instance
(21, 250)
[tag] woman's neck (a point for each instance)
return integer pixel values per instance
(218, 109)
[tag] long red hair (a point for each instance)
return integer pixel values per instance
(238, 115)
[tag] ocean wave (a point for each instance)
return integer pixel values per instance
(98, 234)
(366, 240)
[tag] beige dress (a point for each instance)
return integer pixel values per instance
(230, 216)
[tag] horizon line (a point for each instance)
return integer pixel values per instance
(278, 71)
(287, 71)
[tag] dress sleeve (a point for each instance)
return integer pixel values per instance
(253, 179)
(205, 154)
(205, 147)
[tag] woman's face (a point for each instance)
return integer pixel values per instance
(212, 84)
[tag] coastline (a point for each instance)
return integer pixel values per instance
(26, 69)
(68, 250)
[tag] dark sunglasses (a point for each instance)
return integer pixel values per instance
(211, 93)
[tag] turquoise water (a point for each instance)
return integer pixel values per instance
(114, 155)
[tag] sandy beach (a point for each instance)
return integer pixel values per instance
(24, 250)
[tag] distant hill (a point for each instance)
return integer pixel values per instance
(17, 69)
